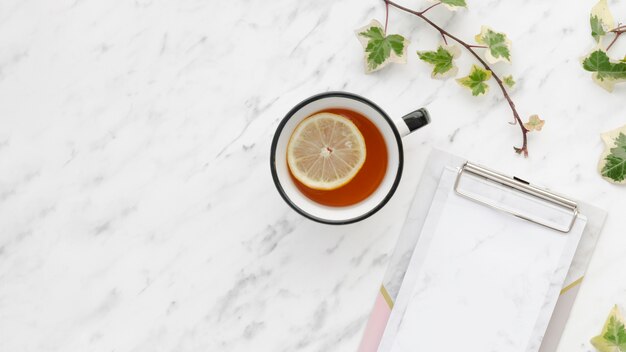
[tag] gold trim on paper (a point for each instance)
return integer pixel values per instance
(568, 287)
(383, 291)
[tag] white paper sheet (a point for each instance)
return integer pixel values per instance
(479, 280)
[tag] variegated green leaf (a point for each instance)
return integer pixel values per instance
(498, 45)
(381, 49)
(475, 81)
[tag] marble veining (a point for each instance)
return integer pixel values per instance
(137, 210)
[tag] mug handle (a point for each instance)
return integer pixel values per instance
(413, 121)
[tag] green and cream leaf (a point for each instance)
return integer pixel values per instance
(498, 45)
(606, 73)
(442, 60)
(508, 81)
(453, 4)
(601, 20)
(381, 49)
(597, 28)
(534, 123)
(612, 165)
(475, 81)
(613, 335)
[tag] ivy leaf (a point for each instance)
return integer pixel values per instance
(453, 4)
(475, 81)
(381, 49)
(605, 72)
(442, 60)
(601, 20)
(534, 123)
(612, 164)
(613, 335)
(600, 63)
(508, 81)
(498, 45)
(597, 28)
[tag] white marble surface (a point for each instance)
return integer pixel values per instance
(137, 211)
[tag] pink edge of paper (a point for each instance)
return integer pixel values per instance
(375, 325)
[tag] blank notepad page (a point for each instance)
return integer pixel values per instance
(488, 281)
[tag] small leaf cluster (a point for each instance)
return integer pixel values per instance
(380, 49)
(606, 71)
(497, 47)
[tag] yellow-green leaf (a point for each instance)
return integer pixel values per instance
(381, 49)
(475, 81)
(498, 45)
(612, 165)
(453, 4)
(508, 81)
(613, 335)
(534, 123)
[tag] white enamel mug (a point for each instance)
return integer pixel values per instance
(392, 133)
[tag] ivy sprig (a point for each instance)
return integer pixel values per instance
(491, 47)
(606, 71)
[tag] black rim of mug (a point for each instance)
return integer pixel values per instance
(279, 130)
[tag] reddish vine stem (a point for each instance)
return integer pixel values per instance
(618, 31)
(617, 34)
(444, 38)
(620, 28)
(428, 8)
(386, 15)
(470, 48)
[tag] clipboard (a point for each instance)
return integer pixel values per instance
(563, 287)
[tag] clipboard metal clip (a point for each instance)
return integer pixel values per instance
(519, 185)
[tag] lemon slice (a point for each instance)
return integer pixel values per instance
(325, 151)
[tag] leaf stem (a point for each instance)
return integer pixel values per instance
(478, 46)
(617, 34)
(424, 11)
(619, 28)
(524, 148)
(386, 16)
